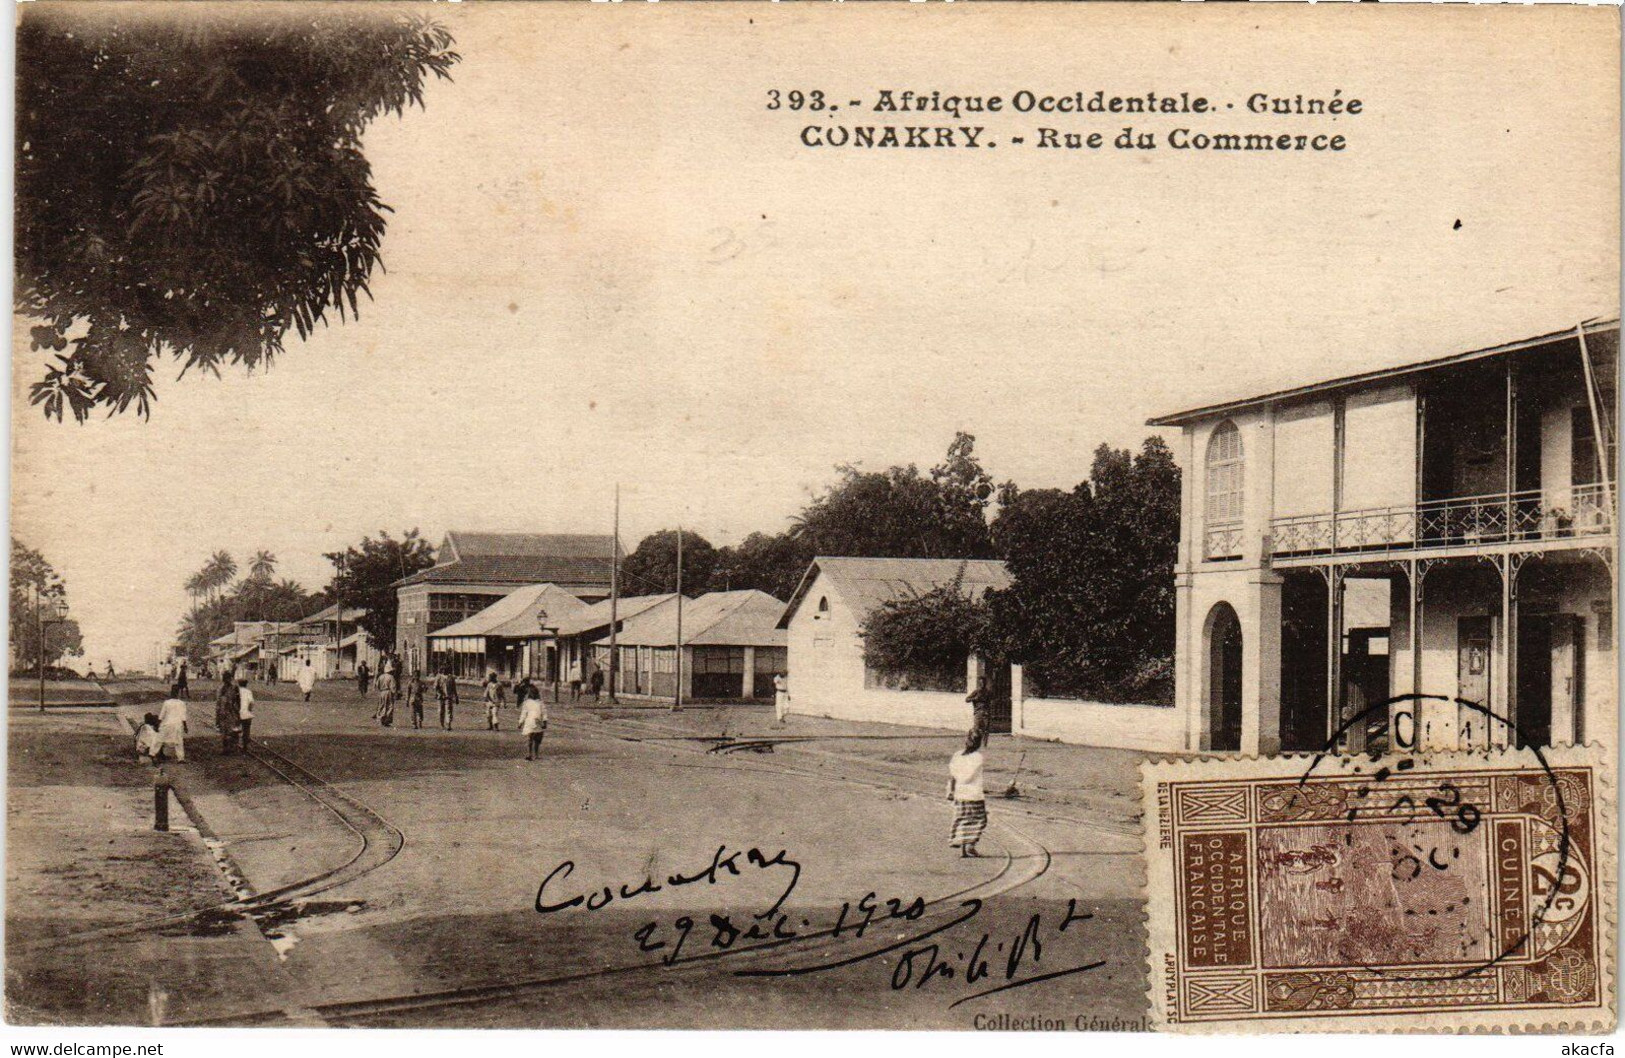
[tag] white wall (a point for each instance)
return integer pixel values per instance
(1379, 449)
(1303, 460)
(1158, 729)
(825, 665)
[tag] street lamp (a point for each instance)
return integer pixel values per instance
(57, 607)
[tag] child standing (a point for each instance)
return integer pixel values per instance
(965, 791)
(414, 700)
(492, 702)
(532, 721)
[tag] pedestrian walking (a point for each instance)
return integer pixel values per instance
(532, 721)
(227, 715)
(595, 682)
(445, 692)
(307, 679)
(363, 678)
(386, 699)
(965, 791)
(109, 668)
(493, 718)
(575, 680)
(181, 689)
(172, 728)
(245, 711)
(270, 670)
(414, 699)
(524, 688)
(781, 696)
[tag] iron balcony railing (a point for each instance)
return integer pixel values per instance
(1533, 515)
(1223, 541)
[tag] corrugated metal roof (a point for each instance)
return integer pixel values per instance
(597, 615)
(516, 614)
(719, 618)
(865, 583)
(519, 569)
(465, 545)
(1380, 375)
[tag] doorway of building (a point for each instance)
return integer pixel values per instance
(1474, 644)
(1365, 683)
(1534, 703)
(1224, 679)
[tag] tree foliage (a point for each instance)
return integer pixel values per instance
(365, 573)
(893, 513)
(769, 562)
(922, 642)
(31, 573)
(1091, 609)
(193, 186)
(652, 568)
(250, 599)
(901, 513)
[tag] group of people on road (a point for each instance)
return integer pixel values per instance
(494, 695)
(591, 677)
(162, 735)
(233, 712)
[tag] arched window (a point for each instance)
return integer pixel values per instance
(823, 606)
(1224, 491)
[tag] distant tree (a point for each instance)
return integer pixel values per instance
(262, 566)
(217, 573)
(209, 191)
(252, 599)
(651, 569)
(922, 642)
(1091, 609)
(365, 573)
(900, 513)
(30, 572)
(768, 562)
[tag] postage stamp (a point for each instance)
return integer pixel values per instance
(1442, 892)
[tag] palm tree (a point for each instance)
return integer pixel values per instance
(219, 570)
(262, 566)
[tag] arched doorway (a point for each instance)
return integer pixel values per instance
(1224, 679)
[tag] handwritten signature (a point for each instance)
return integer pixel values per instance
(923, 959)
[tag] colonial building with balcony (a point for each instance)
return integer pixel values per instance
(1437, 533)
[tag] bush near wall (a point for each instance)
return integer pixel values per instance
(922, 643)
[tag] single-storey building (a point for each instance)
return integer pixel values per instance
(731, 643)
(825, 620)
(565, 648)
(499, 638)
(474, 570)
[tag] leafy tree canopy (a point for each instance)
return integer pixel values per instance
(652, 568)
(926, 639)
(30, 572)
(194, 186)
(900, 513)
(365, 573)
(1091, 609)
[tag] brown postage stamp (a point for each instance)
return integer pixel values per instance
(1437, 892)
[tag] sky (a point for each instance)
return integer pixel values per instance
(610, 262)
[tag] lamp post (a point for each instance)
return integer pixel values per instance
(59, 612)
(549, 632)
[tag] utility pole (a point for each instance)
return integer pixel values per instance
(677, 702)
(614, 595)
(39, 620)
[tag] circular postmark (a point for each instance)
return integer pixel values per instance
(1428, 834)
